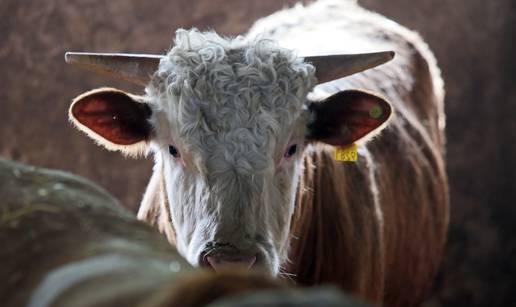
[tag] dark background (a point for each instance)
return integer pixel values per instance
(473, 41)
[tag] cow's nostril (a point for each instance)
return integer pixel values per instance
(220, 263)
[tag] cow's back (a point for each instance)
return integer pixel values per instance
(376, 227)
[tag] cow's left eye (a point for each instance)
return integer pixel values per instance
(291, 151)
(173, 151)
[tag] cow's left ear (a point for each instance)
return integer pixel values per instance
(347, 117)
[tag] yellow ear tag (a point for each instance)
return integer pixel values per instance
(346, 153)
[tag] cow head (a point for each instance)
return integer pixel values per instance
(228, 120)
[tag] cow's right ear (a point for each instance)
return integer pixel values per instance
(114, 119)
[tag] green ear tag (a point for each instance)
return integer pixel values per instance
(346, 153)
(375, 112)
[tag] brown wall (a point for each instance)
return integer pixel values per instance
(473, 41)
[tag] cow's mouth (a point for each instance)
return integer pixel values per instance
(222, 257)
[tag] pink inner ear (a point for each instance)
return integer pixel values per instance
(347, 116)
(114, 116)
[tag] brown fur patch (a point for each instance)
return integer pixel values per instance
(337, 235)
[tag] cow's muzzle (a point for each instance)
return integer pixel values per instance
(220, 257)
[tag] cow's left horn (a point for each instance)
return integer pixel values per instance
(135, 68)
(332, 67)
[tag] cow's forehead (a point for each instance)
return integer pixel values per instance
(212, 87)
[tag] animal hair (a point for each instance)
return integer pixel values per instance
(208, 83)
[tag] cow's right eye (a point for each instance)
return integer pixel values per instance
(291, 151)
(173, 151)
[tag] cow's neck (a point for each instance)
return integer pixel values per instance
(335, 213)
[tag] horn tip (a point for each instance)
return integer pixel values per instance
(72, 57)
(69, 57)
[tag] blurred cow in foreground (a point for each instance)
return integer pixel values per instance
(91, 252)
(243, 132)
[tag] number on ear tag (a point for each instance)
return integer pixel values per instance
(347, 153)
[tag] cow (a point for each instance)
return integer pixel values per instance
(244, 132)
